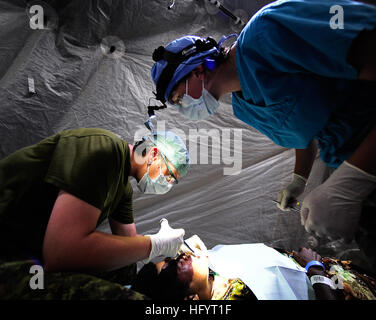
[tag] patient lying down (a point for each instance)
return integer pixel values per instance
(188, 277)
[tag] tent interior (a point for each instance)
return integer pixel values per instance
(89, 66)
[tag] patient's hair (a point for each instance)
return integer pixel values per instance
(162, 286)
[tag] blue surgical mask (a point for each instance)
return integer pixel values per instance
(198, 109)
(159, 185)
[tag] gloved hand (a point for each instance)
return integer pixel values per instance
(333, 208)
(291, 192)
(196, 244)
(166, 242)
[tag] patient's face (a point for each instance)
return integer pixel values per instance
(190, 269)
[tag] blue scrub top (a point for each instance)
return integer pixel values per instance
(296, 84)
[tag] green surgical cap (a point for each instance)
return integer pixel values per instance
(173, 148)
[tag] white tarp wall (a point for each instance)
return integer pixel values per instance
(79, 82)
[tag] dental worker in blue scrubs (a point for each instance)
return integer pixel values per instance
(304, 78)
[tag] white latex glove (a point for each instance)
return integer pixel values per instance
(196, 244)
(166, 242)
(291, 192)
(333, 208)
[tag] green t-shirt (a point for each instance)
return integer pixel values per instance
(91, 164)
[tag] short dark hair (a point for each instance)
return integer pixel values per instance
(162, 286)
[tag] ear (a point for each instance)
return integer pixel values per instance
(198, 72)
(152, 155)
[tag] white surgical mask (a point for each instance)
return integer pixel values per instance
(159, 185)
(198, 109)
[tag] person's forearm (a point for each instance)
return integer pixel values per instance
(322, 291)
(365, 156)
(98, 251)
(304, 159)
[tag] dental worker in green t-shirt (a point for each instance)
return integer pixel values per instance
(55, 193)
